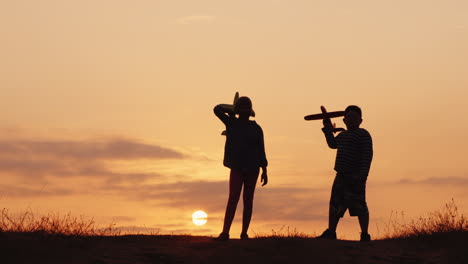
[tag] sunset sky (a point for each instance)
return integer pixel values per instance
(106, 107)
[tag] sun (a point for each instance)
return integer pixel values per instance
(199, 218)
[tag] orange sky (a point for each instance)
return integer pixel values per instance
(106, 106)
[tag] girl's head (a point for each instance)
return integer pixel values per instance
(243, 106)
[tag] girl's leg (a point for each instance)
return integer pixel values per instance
(250, 181)
(235, 187)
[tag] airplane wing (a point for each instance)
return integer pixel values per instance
(231, 106)
(227, 106)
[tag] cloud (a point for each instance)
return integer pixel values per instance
(459, 181)
(10, 131)
(195, 19)
(49, 160)
(87, 150)
(197, 194)
(35, 160)
(19, 191)
(279, 203)
(37, 170)
(292, 204)
(123, 218)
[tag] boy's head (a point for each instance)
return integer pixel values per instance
(243, 106)
(353, 117)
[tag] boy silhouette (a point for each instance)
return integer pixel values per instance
(244, 154)
(352, 164)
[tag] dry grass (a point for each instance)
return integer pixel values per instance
(283, 232)
(53, 224)
(446, 220)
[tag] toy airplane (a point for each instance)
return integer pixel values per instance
(231, 107)
(326, 116)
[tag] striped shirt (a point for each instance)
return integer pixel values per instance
(354, 153)
(245, 147)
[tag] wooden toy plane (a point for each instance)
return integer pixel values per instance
(231, 106)
(326, 116)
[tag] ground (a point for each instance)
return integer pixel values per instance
(43, 248)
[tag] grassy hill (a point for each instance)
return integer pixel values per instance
(42, 248)
(439, 237)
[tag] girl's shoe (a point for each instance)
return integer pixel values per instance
(222, 237)
(365, 237)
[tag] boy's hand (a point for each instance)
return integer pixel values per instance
(264, 178)
(327, 123)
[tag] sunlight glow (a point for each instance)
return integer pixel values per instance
(199, 218)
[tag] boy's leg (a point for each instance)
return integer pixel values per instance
(249, 190)
(235, 187)
(358, 207)
(364, 222)
(363, 215)
(336, 208)
(337, 203)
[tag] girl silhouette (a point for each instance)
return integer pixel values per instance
(244, 154)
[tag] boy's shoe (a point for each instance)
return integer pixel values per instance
(222, 237)
(244, 236)
(327, 234)
(365, 237)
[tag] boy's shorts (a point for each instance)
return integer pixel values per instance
(348, 193)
